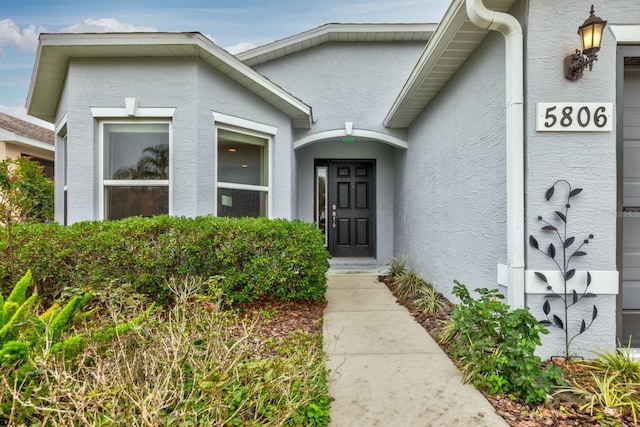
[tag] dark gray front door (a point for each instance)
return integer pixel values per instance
(351, 218)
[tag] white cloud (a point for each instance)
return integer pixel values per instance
(21, 113)
(105, 25)
(239, 47)
(11, 35)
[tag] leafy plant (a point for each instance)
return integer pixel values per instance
(396, 266)
(562, 258)
(496, 346)
(408, 284)
(618, 361)
(26, 195)
(429, 300)
(609, 394)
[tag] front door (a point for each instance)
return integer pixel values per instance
(350, 208)
(631, 210)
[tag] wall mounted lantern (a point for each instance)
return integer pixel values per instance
(590, 36)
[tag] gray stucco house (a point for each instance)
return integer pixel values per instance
(433, 141)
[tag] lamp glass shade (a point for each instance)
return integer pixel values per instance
(591, 33)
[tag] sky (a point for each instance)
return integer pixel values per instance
(235, 25)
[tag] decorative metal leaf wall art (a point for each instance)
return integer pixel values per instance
(561, 257)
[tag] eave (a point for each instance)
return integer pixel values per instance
(455, 39)
(337, 33)
(56, 50)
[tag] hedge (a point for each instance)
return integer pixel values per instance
(255, 257)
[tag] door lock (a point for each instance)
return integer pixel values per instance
(333, 215)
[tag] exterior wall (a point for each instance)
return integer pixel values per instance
(195, 91)
(450, 212)
(216, 93)
(383, 155)
(346, 82)
(586, 159)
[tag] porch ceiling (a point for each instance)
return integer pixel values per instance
(55, 51)
(453, 41)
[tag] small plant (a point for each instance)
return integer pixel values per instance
(562, 258)
(609, 394)
(397, 266)
(496, 346)
(429, 300)
(618, 361)
(408, 284)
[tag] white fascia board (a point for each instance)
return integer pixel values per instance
(14, 138)
(327, 30)
(625, 34)
(454, 17)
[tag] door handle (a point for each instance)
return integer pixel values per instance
(333, 215)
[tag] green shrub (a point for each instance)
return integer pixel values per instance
(255, 257)
(396, 266)
(408, 284)
(496, 346)
(429, 300)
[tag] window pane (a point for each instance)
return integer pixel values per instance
(239, 203)
(241, 158)
(136, 151)
(122, 202)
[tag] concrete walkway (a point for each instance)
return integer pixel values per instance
(385, 369)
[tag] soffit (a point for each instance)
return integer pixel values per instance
(452, 43)
(55, 51)
(337, 33)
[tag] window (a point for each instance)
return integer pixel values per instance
(135, 169)
(243, 174)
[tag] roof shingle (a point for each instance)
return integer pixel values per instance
(26, 129)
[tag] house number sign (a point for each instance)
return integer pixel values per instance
(574, 117)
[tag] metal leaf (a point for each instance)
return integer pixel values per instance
(545, 323)
(546, 307)
(583, 327)
(542, 277)
(552, 296)
(569, 242)
(595, 313)
(558, 322)
(590, 295)
(533, 242)
(571, 273)
(561, 215)
(579, 253)
(588, 278)
(575, 296)
(549, 193)
(551, 251)
(575, 192)
(549, 228)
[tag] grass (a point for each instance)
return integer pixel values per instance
(193, 363)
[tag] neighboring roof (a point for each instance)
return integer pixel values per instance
(55, 51)
(19, 131)
(337, 33)
(453, 41)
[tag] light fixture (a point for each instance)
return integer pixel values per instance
(590, 33)
(231, 150)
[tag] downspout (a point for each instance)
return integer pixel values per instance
(510, 28)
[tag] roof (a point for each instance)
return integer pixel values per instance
(337, 33)
(451, 44)
(15, 130)
(55, 51)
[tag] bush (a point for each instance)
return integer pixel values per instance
(254, 257)
(496, 346)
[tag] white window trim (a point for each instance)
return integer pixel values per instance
(131, 109)
(137, 183)
(248, 127)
